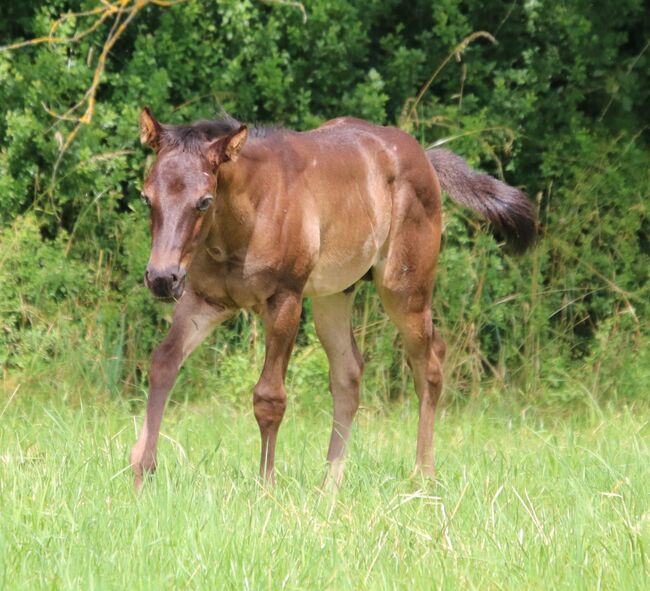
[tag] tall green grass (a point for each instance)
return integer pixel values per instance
(524, 499)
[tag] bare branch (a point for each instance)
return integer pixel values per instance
(122, 12)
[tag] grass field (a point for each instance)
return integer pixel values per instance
(524, 500)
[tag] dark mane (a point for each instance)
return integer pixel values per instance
(193, 137)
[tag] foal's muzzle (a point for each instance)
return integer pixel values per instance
(165, 283)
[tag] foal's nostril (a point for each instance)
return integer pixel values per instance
(164, 282)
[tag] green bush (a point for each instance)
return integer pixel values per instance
(558, 106)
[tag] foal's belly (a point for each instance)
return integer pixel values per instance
(345, 258)
(331, 277)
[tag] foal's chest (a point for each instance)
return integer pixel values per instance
(232, 282)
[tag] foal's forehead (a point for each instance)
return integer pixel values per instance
(177, 171)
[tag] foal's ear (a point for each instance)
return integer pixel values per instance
(228, 147)
(149, 129)
(236, 143)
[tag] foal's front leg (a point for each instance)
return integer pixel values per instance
(193, 320)
(281, 316)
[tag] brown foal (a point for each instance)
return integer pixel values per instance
(262, 218)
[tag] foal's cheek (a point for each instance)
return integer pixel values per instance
(196, 231)
(197, 227)
(155, 221)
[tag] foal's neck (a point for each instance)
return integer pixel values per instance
(234, 215)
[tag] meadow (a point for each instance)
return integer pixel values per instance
(525, 498)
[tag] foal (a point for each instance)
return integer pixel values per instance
(261, 219)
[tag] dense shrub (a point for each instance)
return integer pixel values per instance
(558, 106)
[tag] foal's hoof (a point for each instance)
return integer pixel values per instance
(140, 475)
(333, 477)
(267, 479)
(141, 464)
(423, 473)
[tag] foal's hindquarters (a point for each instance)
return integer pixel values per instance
(403, 271)
(405, 284)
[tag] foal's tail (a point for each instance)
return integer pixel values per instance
(506, 208)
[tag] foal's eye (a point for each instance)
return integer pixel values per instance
(146, 199)
(203, 203)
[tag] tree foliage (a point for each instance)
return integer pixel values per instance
(557, 105)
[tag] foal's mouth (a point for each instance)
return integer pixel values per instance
(168, 295)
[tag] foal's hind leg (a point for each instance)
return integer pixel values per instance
(193, 320)
(404, 279)
(425, 353)
(333, 320)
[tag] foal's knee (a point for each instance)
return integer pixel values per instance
(345, 384)
(348, 377)
(269, 404)
(434, 378)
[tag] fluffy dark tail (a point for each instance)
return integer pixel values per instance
(506, 208)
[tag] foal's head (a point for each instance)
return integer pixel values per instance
(179, 190)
